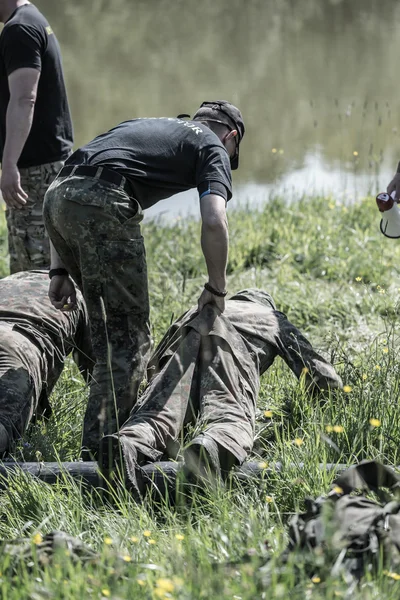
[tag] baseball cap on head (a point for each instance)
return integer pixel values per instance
(220, 111)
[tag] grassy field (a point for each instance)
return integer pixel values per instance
(333, 273)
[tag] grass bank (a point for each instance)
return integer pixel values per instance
(329, 268)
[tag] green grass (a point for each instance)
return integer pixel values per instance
(310, 256)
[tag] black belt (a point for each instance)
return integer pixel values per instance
(98, 173)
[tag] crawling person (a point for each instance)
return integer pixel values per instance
(206, 371)
(35, 339)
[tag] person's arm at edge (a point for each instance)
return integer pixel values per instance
(23, 84)
(394, 185)
(215, 246)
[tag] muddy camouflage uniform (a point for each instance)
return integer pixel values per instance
(95, 227)
(28, 242)
(35, 338)
(208, 367)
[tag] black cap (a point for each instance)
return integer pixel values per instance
(224, 112)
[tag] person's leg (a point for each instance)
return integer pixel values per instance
(95, 229)
(227, 408)
(20, 384)
(27, 238)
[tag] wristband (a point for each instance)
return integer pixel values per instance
(54, 272)
(214, 292)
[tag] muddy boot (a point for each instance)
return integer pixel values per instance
(202, 464)
(118, 460)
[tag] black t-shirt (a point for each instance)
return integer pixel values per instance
(161, 157)
(27, 41)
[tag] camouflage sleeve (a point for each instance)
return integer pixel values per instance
(302, 359)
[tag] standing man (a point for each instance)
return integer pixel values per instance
(93, 212)
(35, 128)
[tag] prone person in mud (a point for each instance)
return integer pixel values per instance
(206, 372)
(35, 339)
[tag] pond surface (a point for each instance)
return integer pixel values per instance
(316, 81)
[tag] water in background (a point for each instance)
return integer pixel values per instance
(316, 81)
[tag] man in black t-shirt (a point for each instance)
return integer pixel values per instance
(35, 127)
(93, 211)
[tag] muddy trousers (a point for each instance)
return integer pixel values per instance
(21, 368)
(95, 229)
(28, 243)
(203, 387)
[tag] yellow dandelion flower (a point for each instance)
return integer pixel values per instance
(338, 428)
(385, 350)
(394, 576)
(347, 389)
(268, 414)
(105, 592)
(134, 539)
(378, 287)
(274, 150)
(329, 428)
(126, 558)
(304, 370)
(263, 465)
(316, 579)
(355, 153)
(108, 541)
(337, 489)
(159, 593)
(377, 367)
(364, 376)
(140, 581)
(165, 584)
(381, 291)
(37, 539)
(269, 499)
(147, 533)
(179, 537)
(375, 422)
(299, 442)
(151, 541)
(358, 278)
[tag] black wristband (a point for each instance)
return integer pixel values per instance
(213, 291)
(54, 272)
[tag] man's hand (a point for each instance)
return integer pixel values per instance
(209, 298)
(62, 292)
(10, 186)
(394, 185)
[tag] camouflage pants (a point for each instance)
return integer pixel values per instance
(95, 228)
(28, 244)
(200, 385)
(21, 369)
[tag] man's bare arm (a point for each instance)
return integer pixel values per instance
(215, 246)
(23, 85)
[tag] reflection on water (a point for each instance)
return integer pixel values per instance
(315, 79)
(314, 178)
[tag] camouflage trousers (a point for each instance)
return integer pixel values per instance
(201, 387)
(28, 243)
(21, 371)
(95, 228)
